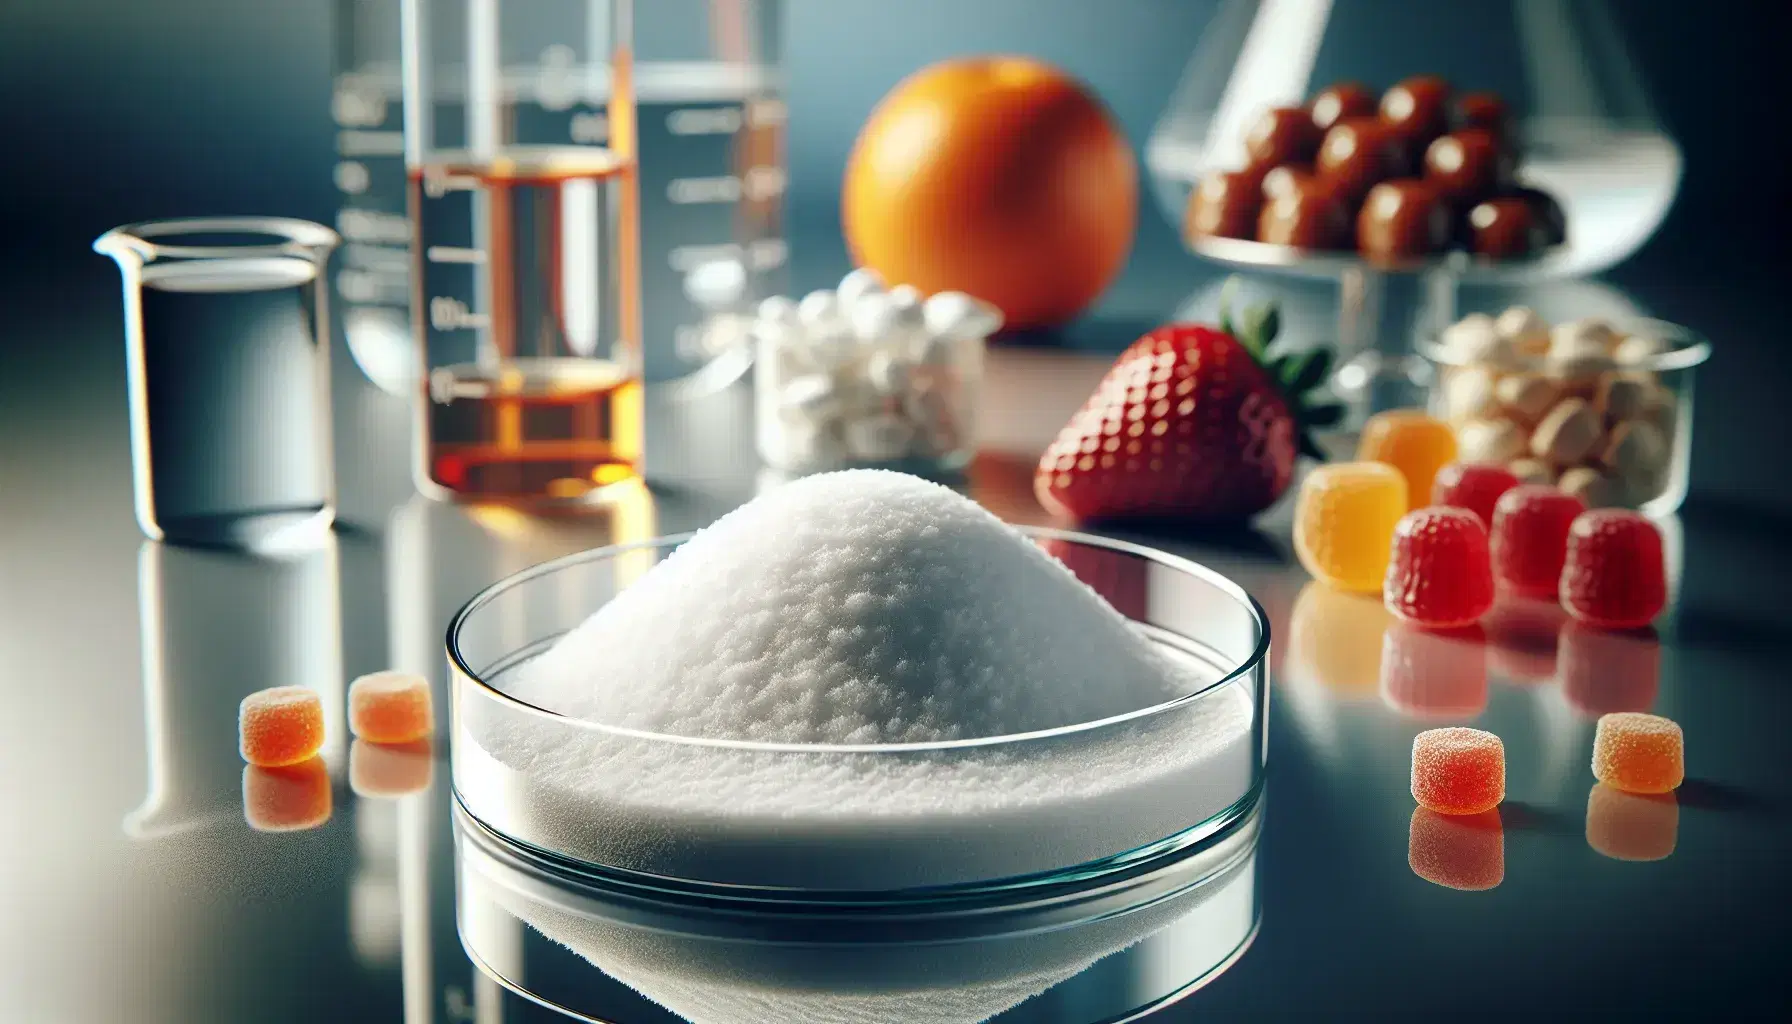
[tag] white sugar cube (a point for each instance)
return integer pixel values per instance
(955, 315)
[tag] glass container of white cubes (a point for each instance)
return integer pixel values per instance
(868, 376)
(1601, 409)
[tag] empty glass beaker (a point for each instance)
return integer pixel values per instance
(709, 90)
(227, 357)
(520, 157)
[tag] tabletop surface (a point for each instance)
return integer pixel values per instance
(132, 888)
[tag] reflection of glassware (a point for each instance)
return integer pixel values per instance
(1585, 123)
(1082, 955)
(1434, 675)
(227, 352)
(1457, 851)
(1335, 641)
(217, 626)
(519, 769)
(1632, 826)
(526, 247)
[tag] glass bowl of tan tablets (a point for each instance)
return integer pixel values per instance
(1601, 409)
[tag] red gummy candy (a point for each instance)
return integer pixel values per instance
(1472, 486)
(1440, 574)
(1530, 537)
(1614, 575)
(1458, 770)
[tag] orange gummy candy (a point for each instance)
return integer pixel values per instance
(1415, 444)
(1638, 753)
(389, 769)
(1344, 523)
(1632, 826)
(1458, 770)
(1460, 851)
(286, 799)
(280, 726)
(390, 707)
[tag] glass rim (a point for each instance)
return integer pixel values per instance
(1219, 581)
(1688, 348)
(282, 236)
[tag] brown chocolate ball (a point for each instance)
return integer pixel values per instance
(1308, 216)
(1402, 220)
(1504, 228)
(1283, 135)
(1419, 107)
(1483, 110)
(1360, 151)
(1547, 213)
(1287, 178)
(1226, 204)
(1346, 99)
(1468, 165)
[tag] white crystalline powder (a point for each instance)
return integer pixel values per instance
(857, 607)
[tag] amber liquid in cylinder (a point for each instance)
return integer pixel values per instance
(527, 299)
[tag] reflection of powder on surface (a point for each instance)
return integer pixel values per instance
(855, 607)
(715, 981)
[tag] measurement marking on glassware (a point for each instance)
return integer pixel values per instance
(453, 254)
(449, 314)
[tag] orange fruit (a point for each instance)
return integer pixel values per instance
(998, 176)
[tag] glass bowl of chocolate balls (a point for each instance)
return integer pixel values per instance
(1404, 147)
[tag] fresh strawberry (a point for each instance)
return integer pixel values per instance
(1193, 423)
(1614, 576)
(1473, 486)
(1530, 537)
(1439, 573)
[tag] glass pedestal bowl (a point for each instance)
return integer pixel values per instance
(902, 824)
(1578, 109)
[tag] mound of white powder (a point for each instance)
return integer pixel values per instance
(855, 607)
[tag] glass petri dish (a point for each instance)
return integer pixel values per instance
(1093, 956)
(1667, 376)
(936, 824)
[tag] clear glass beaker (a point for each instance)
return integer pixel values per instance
(227, 352)
(520, 162)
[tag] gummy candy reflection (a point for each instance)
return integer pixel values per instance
(1603, 671)
(1434, 675)
(1457, 851)
(1632, 826)
(1335, 641)
(286, 799)
(1522, 638)
(389, 769)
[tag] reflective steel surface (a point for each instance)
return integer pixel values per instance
(132, 887)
